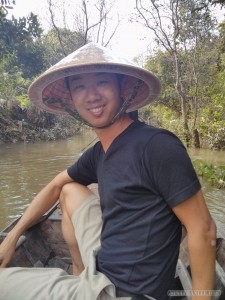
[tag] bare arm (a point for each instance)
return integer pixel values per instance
(194, 214)
(44, 200)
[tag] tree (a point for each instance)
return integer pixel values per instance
(213, 2)
(101, 23)
(161, 64)
(51, 47)
(91, 21)
(5, 6)
(17, 38)
(181, 30)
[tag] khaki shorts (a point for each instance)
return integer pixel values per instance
(56, 284)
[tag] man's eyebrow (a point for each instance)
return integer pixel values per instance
(73, 78)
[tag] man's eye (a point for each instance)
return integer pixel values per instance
(78, 87)
(103, 82)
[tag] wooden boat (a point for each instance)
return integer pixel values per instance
(43, 246)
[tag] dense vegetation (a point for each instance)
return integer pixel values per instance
(24, 53)
(190, 61)
(211, 172)
(188, 57)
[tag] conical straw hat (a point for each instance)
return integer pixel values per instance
(92, 57)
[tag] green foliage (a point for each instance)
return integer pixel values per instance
(212, 120)
(18, 41)
(161, 64)
(61, 130)
(16, 32)
(162, 116)
(24, 53)
(29, 124)
(23, 101)
(5, 5)
(215, 174)
(204, 84)
(196, 22)
(8, 80)
(53, 50)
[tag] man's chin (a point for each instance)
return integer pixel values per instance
(98, 123)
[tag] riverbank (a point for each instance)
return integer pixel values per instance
(22, 125)
(58, 128)
(209, 165)
(30, 134)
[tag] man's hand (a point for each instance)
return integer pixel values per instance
(7, 249)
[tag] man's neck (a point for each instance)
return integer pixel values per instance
(108, 134)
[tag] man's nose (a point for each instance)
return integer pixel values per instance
(92, 94)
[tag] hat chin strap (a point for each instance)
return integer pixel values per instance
(75, 115)
(127, 102)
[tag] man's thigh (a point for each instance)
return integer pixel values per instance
(87, 222)
(38, 284)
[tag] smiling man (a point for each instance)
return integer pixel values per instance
(96, 97)
(124, 244)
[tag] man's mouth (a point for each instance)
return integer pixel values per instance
(97, 111)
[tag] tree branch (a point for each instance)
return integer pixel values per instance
(55, 27)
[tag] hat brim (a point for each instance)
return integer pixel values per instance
(52, 85)
(92, 58)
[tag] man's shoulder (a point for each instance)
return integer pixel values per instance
(148, 131)
(93, 150)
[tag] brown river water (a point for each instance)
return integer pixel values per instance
(26, 168)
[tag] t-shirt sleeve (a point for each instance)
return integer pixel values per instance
(84, 170)
(170, 168)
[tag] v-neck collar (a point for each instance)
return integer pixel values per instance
(119, 136)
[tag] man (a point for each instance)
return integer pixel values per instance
(125, 246)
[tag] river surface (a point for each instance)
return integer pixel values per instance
(26, 168)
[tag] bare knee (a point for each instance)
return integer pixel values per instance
(74, 190)
(72, 195)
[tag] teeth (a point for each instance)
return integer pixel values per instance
(96, 110)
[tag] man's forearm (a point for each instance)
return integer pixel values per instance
(44, 200)
(202, 252)
(40, 205)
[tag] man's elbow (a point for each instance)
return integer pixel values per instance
(205, 231)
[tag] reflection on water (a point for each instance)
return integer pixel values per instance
(210, 156)
(26, 168)
(215, 197)
(216, 203)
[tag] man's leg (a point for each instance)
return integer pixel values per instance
(83, 207)
(71, 197)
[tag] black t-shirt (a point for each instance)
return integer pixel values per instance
(145, 172)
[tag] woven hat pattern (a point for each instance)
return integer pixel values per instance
(91, 58)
